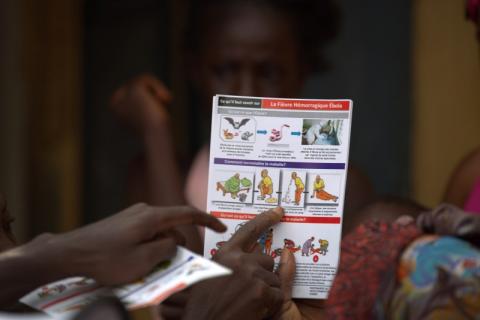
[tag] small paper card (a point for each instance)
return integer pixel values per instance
(64, 298)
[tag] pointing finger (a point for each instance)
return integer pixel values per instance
(247, 235)
(178, 216)
(286, 273)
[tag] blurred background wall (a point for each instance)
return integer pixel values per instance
(13, 140)
(371, 65)
(412, 69)
(446, 91)
(41, 113)
(370, 62)
(123, 39)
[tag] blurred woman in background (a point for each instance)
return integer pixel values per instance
(252, 48)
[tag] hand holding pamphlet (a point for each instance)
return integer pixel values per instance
(282, 152)
(63, 299)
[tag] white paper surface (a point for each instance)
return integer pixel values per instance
(63, 299)
(23, 316)
(282, 152)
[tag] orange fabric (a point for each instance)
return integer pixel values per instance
(268, 246)
(266, 190)
(298, 195)
(324, 195)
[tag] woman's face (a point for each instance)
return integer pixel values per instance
(246, 50)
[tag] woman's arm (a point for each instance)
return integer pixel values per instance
(142, 105)
(463, 179)
(155, 178)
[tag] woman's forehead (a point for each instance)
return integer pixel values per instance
(246, 21)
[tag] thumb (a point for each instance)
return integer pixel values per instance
(257, 249)
(286, 273)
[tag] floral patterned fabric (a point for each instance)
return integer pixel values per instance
(367, 255)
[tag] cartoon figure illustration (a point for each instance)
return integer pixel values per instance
(227, 134)
(50, 291)
(277, 134)
(288, 198)
(323, 249)
(307, 246)
(323, 246)
(195, 267)
(236, 124)
(323, 133)
(80, 283)
(246, 135)
(290, 245)
(276, 253)
(268, 241)
(234, 185)
(265, 241)
(242, 197)
(319, 190)
(262, 241)
(266, 185)
(299, 187)
(287, 245)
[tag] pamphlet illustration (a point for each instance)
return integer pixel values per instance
(294, 186)
(237, 129)
(234, 186)
(323, 188)
(268, 152)
(268, 187)
(63, 299)
(265, 242)
(322, 132)
(276, 135)
(23, 316)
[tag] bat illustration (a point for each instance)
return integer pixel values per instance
(235, 124)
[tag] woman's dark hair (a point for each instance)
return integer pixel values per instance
(315, 23)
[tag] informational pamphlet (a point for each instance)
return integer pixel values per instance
(23, 316)
(63, 299)
(291, 153)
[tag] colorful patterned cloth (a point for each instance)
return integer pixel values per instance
(438, 278)
(367, 255)
(424, 270)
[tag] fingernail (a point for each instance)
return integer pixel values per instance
(279, 211)
(285, 257)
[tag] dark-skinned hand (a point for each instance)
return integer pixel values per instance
(295, 309)
(142, 103)
(113, 251)
(123, 247)
(252, 292)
